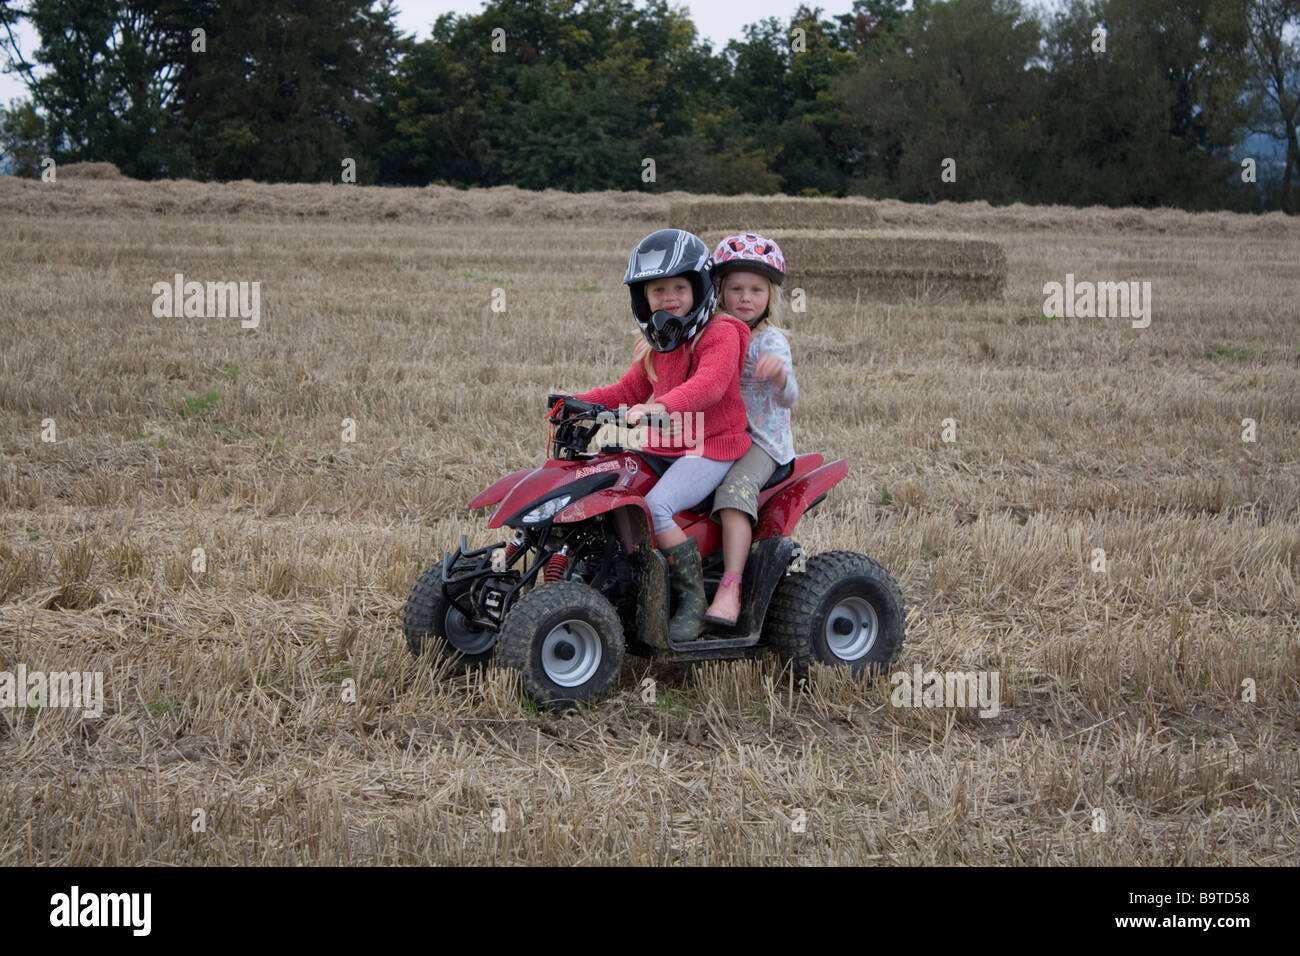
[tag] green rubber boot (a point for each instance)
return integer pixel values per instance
(687, 580)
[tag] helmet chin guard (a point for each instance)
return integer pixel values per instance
(665, 331)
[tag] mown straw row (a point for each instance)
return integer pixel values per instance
(73, 193)
(97, 189)
(783, 214)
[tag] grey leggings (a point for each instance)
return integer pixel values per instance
(689, 480)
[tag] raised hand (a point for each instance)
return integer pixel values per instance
(770, 367)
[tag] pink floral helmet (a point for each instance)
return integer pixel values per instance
(751, 252)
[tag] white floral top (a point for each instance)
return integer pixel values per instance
(768, 407)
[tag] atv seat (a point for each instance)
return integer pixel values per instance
(781, 474)
(659, 464)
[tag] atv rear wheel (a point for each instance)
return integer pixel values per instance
(566, 640)
(843, 610)
(432, 623)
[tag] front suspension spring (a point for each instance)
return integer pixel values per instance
(555, 567)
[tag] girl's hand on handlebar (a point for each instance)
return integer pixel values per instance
(637, 412)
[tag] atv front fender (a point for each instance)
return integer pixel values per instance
(779, 516)
(632, 525)
(499, 489)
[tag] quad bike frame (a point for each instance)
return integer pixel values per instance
(583, 541)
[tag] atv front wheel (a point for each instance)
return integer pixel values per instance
(566, 640)
(843, 610)
(431, 622)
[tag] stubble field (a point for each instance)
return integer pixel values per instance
(1127, 732)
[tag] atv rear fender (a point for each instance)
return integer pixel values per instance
(779, 516)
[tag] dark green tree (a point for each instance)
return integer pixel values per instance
(550, 94)
(1151, 120)
(958, 82)
(817, 141)
(108, 91)
(869, 21)
(1275, 85)
(23, 140)
(718, 156)
(285, 90)
(11, 11)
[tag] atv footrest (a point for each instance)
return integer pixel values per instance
(721, 642)
(723, 648)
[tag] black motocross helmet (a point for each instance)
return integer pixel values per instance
(661, 255)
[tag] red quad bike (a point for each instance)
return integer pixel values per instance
(581, 581)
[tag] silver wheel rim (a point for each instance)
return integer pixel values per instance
(571, 653)
(462, 637)
(851, 628)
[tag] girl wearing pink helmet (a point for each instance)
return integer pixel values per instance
(748, 270)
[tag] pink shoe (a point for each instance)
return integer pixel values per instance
(725, 608)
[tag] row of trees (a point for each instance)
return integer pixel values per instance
(1145, 102)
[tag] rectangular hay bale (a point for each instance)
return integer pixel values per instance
(769, 215)
(894, 268)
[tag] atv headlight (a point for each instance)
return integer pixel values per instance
(546, 510)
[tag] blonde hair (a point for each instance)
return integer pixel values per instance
(773, 300)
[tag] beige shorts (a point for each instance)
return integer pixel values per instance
(739, 489)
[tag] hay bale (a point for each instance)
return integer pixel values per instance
(89, 171)
(894, 267)
(769, 215)
(834, 247)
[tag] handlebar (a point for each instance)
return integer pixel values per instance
(576, 422)
(575, 409)
(571, 407)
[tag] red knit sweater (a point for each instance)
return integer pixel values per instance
(713, 389)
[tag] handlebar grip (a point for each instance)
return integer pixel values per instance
(576, 406)
(656, 420)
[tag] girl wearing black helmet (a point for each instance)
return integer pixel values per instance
(748, 269)
(688, 366)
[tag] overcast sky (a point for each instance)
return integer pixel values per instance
(716, 20)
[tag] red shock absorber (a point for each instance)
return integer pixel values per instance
(513, 547)
(555, 567)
